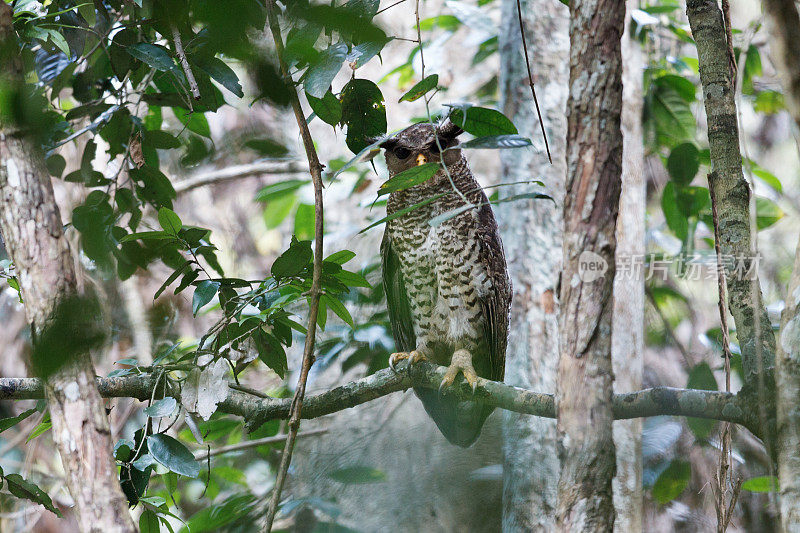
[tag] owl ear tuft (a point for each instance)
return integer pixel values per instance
(449, 130)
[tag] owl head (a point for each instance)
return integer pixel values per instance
(422, 143)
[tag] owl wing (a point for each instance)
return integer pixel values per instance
(397, 298)
(496, 304)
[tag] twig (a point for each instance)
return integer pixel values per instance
(726, 13)
(530, 79)
(314, 294)
(237, 172)
(176, 38)
(724, 475)
(239, 446)
(389, 7)
(668, 328)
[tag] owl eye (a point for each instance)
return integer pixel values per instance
(401, 152)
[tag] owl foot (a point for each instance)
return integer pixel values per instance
(460, 362)
(413, 357)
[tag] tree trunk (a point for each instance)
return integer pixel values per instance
(31, 226)
(627, 343)
(785, 28)
(730, 189)
(594, 166)
(532, 241)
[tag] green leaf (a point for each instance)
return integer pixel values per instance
(401, 212)
(267, 147)
(341, 257)
(172, 277)
(153, 55)
(41, 428)
(358, 475)
(160, 139)
(148, 521)
(278, 190)
(12, 421)
(162, 407)
(676, 220)
(56, 165)
(278, 209)
(672, 481)
(409, 178)
(421, 88)
(683, 163)
(320, 74)
(194, 121)
(222, 73)
(204, 293)
(337, 307)
(363, 112)
(497, 141)
(767, 212)
(701, 377)
(147, 235)
(482, 121)
(173, 455)
(761, 484)
(169, 221)
(328, 108)
(304, 221)
(769, 102)
(21, 488)
(294, 260)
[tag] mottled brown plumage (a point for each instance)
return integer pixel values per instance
(447, 286)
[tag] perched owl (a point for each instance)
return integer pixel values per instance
(447, 285)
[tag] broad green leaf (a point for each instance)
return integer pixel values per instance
(672, 481)
(278, 209)
(358, 475)
(172, 277)
(163, 407)
(676, 219)
(38, 430)
(12, 421)
(169, 221)
(767, 212)
(683, 163)
(194, 121)
(767, 177)
(173, 455)
(304, 221)
(420, 89)
(409, 178)
(153, 55)
(294, 260)
(701, 377)
(221, 73)
(761, 484)
(341, 257)
(267, 147)
(320, 74)
(497, 141)
(363, 112)
(328, 108)
(363, 52)
(160, 139)
(22, 488)
(147, 235)
(277, 190)
(482, 121)
(148, 521)
(204, 293)
(769, 102)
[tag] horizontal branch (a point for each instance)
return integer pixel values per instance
(648, 402)
(239, 171)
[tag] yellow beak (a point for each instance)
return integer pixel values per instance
(421, 160)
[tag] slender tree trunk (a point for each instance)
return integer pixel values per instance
(731, 190)
(32, 230)
(594, 167)
(785, 29)
(627, 343)
(532, 239)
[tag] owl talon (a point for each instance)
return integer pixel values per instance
(413, 357)
(461, 362)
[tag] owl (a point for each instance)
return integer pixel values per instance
(446, 280)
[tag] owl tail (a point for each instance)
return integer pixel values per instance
(460, 422)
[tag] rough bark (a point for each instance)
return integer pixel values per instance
(31, 226)
(785, 46)
(532, 240)
(731, 190)
(787, 376)
(594, 166)
(627, 342)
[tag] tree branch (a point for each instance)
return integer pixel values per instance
(644, 403)
(239, 171)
